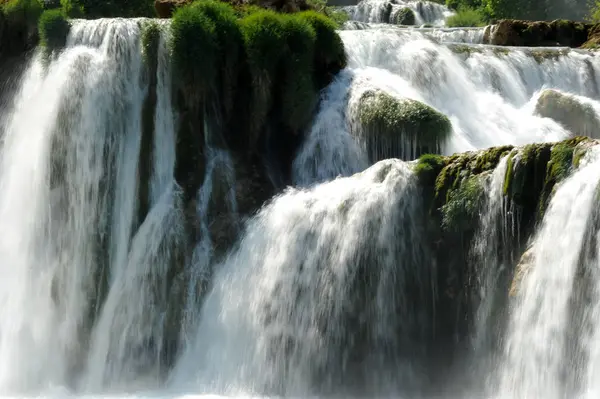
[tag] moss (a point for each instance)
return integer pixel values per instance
(405, 16)
(23, 10)
(297, 89)
(386, 118)
(428, 167)
(150, 42)
(330, 56)
(195, 50)
(53, 29)
(462, 207)
(543, 55)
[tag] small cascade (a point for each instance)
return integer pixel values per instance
(316, 297)
(384, 11)
(456, 35)
(491, 258)
(549, 315)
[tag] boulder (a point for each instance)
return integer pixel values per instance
(399, 128)
(521, 270)
(165, 8)
(510, 32)
(405, 16)
(581, 119)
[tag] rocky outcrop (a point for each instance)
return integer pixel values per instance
(165, 8)
(454, 190)
(511, 32)
(573, 115)
(399, 128)
(405, 16)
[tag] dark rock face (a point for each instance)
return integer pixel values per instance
(165, 8)
(511, 32)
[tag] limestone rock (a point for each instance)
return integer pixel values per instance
(399, 128)
(509, 32)
(579, 118)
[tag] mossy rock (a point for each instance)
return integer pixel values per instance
(510, 32)
(53, 29)
(579, 118)
(405, 16)
(394, 128)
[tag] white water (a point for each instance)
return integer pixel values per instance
(283, 314)
(277, 318)
(488, 93)
(375, 11)
(537, 349)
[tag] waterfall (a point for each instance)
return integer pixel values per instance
(490, 95)
(310, 301)
(544, 326)
(378, 11)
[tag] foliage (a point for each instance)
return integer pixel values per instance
(593, 15)
(22, 10)
(463, 205)
(53, 29)
(405, 16)
(150, 42)
(338, 16)
(466, 16)
(72, 8)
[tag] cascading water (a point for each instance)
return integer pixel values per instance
(425, 12)
(488, 93)
(279, 316)
(544, 327)
(111, 284)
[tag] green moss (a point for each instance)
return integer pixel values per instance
(329, 56)
(297, 89)
(384, 115)
(462, 208)
(405, 16)
(150, 42)
(230, 42)
(543, 55)
(265, 44)
(53, 29)
(428, 167)
(195, 50)
(23, 10)
(72, 8)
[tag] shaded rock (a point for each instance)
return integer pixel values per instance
(405, 16)
(521, 270)
(593, 39)
(509, 32)
(579, 118)
(399, 128)
(165, 8)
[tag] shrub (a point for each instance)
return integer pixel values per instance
(53, 29)
(72, 8)
(23, 10)
(150, 42)
(330, 55)
(195, 49)
(466, 17)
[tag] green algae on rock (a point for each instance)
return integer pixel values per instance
(405, 16)
(401, 128)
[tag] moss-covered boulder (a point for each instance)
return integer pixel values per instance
(18, 26)
(399, 128)
(509, 32)
(53, 29)
(404, 16)
(579, 118)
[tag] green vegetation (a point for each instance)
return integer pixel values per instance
(463, 205)
(466, 16)
(386, 118)
(338, 16)
(150, 42)
(270, 64)
(405, 16)
(594, 12)
(53, 28)
(22, 10)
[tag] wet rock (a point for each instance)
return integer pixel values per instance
(510, 32)
(521, 270)
(399, 128)
(405, 16)
(165, 8)
(579, 118)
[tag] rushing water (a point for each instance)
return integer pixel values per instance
(331, 288)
